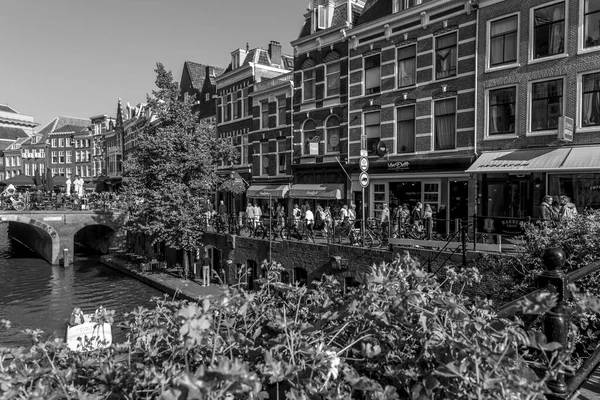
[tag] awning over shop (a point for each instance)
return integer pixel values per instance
(583, 158)
(325, 191)
(266, 191)
(527, 160)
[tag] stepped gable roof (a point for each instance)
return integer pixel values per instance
(375, 9)
(61, 121)
(7, 108)
(12, 133)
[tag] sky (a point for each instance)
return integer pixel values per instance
(78, 57)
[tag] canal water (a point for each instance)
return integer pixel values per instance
(36, 295)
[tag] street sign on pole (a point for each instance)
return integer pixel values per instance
(364, 153)
(363, 179)
(364, 164)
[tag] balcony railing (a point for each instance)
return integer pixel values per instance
(269, 83)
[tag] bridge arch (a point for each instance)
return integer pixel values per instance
(45, 240)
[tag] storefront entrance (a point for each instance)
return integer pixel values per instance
(507, 195)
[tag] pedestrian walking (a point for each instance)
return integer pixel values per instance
(385, 221)
(310, 223)
(417, 217)
(257, 214)
(68, 183)
(250, 215)
(548, 214)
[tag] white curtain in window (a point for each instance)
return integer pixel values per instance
(556, 34)
(591, 101)
(446, 56)
(445, 126)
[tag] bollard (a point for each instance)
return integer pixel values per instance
(66, 260)
(556, 321)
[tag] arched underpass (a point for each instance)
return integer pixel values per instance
(44, 243)
(95, 237)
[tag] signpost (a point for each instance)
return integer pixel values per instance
(364, 180)
(364, 164)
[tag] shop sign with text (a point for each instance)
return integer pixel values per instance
(398, 165)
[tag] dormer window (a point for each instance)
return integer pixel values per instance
(320, 19)
(235, 61)
(400, 5)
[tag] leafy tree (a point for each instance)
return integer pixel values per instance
(172, 168)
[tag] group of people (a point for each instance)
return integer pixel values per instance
(557, 208)
(77, 186)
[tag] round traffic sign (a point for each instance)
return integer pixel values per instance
(363, 178)
(364, 164)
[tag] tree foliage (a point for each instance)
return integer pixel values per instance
(172, 167)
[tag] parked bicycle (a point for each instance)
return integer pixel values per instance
(10, 203)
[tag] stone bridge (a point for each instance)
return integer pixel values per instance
(49, 233)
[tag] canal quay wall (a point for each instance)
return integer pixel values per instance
(163, 281)
(311, 260)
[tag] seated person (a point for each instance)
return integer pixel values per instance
(76, 317)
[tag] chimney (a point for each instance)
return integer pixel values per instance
(275, 52)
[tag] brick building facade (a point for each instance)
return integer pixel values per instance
(412, 105)
(538, 80)
(320, 119)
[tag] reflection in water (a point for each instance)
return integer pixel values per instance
(35, 295)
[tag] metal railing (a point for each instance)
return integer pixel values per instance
(556, 322)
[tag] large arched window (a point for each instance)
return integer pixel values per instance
(332, 135)
(310, 139)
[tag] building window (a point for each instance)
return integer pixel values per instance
(207, 97)
(591, 23)
(68, 156)
(503, 41)
(53, 142)
(244, 102)
(546, 104)
(407, 66)
(54, 157)
(282, 154)
(446, 51)
(590, 110)
(332, 134)
(502, 111)
(281, 110)
(87, 170)
(333, 79)
(239, 105)
(61, 171)
(308, 85)
(372, 129)
(549, 30)
(264, 158)
(27, 169)
(378, 199)
(61, 142)
(445, 124)
(77, 156)
(68, 172)
(311, 140)
(405, 129)
(236, 110)
(400, 5)
(245, 155)
(264, 115)
(227, 107)
(54, 170)
(373, 74)
(61, 157)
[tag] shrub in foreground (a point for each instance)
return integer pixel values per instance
(401, 334)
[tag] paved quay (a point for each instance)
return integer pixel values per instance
(164, 281)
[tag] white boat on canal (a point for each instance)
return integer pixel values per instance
(89, 335)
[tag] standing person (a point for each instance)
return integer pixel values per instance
(310, 223)
(206, 270)
(280, 215)
(303, 208)
(209, 211)
(250, 215)
(222, 209)
(344, 215)
(27, 197)
(416, 216)
(257, 214)
(78, 185)
(328, 220)
(68, 183)
(396, 212)
(567, 209)
(385, 221)
(352, 214)
(428, 218)
(296, 215)
(547, 212)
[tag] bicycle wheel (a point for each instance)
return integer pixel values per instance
(368, 240)
(19, 205)
(284, 233)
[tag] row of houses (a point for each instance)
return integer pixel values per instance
(471, 107)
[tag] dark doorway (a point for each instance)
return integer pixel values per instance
(252, 274)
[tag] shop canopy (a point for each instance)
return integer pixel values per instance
(527, 160)
(266, 191)
(587, 157)
(325, 191)
(19, 180)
